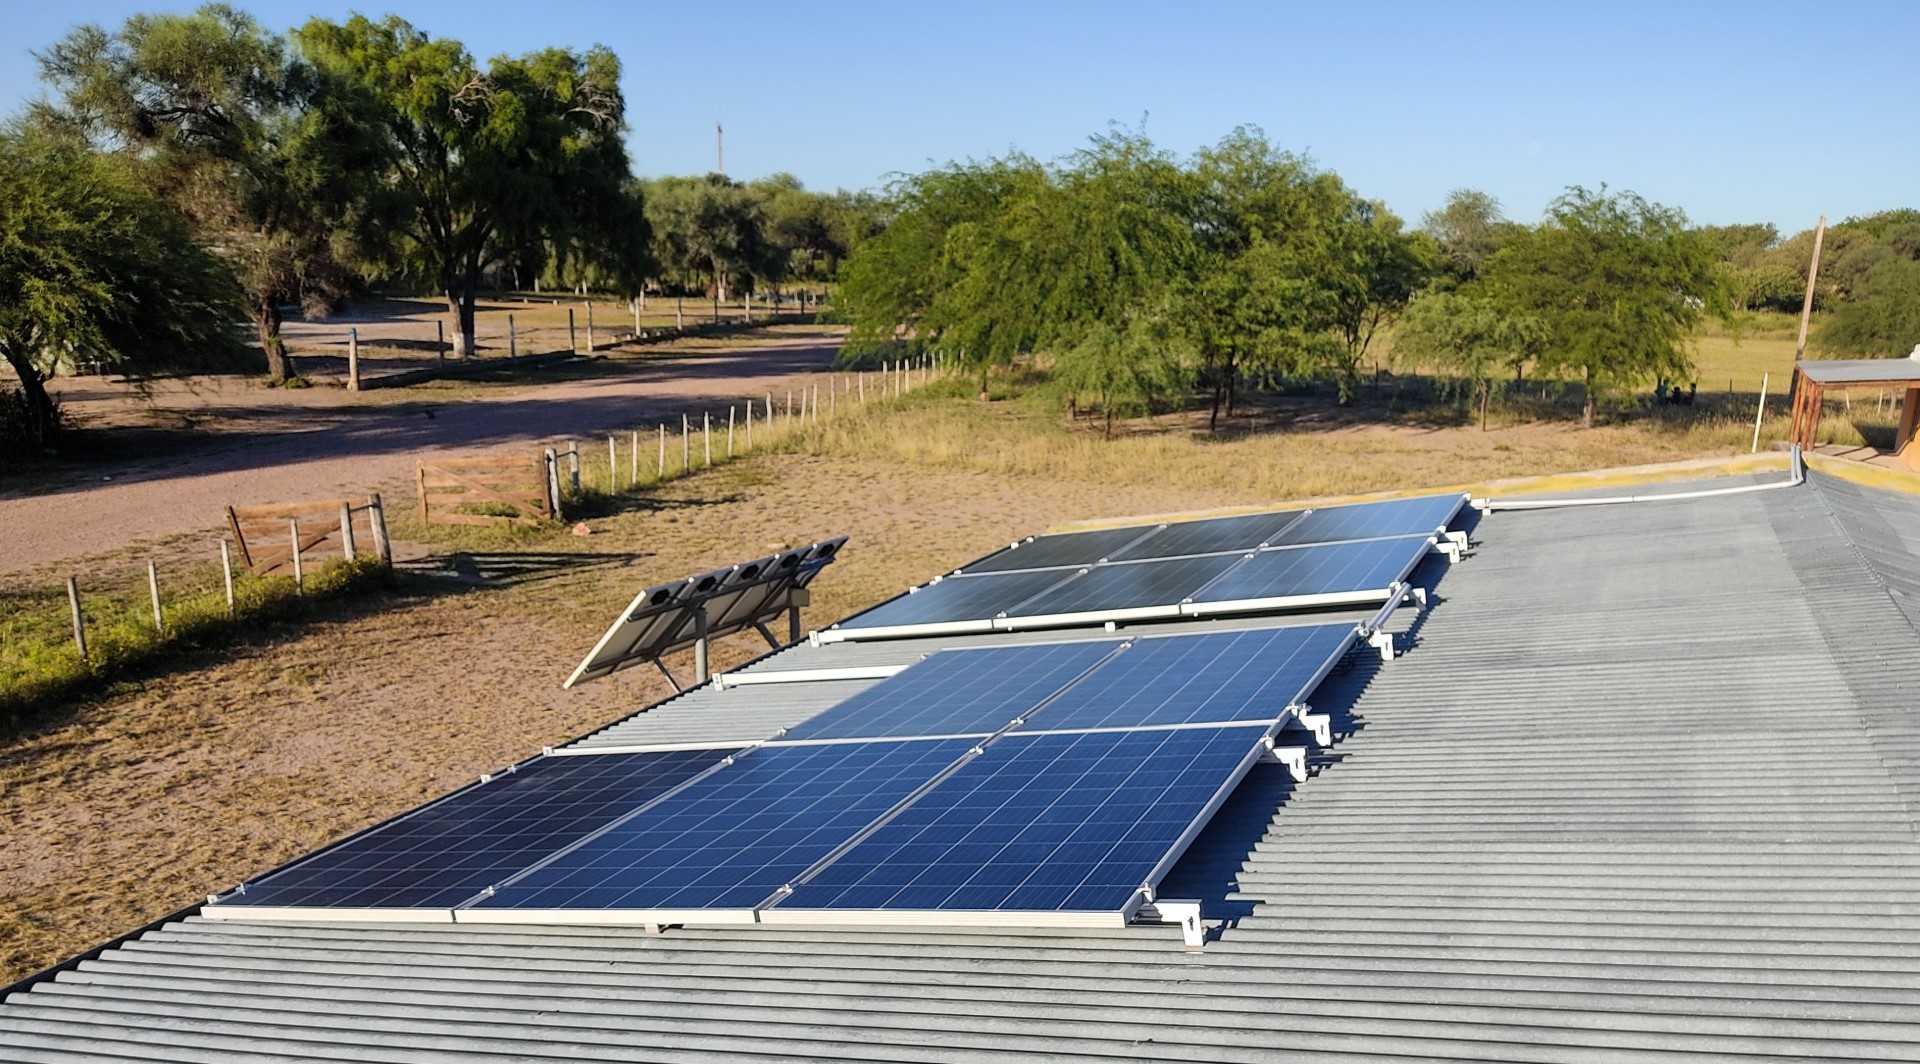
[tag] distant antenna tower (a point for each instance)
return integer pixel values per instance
(719, 149)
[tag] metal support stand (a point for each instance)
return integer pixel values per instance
(671, 682)
(700, 645)
(796, 598)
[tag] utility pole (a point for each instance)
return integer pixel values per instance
(719, 149)
(1813, 275)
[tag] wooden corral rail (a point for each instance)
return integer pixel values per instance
(451, 489)
(264, 533)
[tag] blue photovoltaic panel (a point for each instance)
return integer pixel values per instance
(1209, 537)
(446, 852)
(732, 839)
(1323, 569)
(1398, 517)
(1128, 586)
(958, 598)
(1187, 679)
(1053, 823)
(956, 692)
(1066, 548)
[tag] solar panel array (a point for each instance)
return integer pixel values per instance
(1031, 784)
(1290, 559)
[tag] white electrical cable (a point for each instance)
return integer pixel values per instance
(1796, 464)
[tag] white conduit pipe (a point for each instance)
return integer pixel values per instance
(1796, 463)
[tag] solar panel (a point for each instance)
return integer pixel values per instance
(957, 692)
(1138, 588)
(1064, 549)
(732, 839)
(956, 599)
(1209, 537)
(1397, 517)
(664, 618)
(1330, 572)
(445, 853)
(1051, 823)
(1187, 679)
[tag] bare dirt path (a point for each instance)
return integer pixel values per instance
(249, 444)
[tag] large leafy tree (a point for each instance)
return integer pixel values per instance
(714, 229)
(1617, 282)
(1468, 228)
(482, 157)
(1375, 267)
(95, 267)
(1469, 334)
(1883, 318)
(273, 165)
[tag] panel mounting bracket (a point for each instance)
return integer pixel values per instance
(1448, 548)
(1294, 757)
(1383, 642)
(1185, 913)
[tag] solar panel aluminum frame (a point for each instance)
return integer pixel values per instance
(1273, 603)
(839, 634)
(769, 912)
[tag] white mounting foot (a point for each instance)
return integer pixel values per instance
(1449, 548)
(1294, 757)
(1187, 915)
(1383, 642)
(1419, 595)
(1459, 539)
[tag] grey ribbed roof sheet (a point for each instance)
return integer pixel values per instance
(1860, 370)
(1641, 789)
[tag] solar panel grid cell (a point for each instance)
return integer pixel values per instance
(1218, 677)
(735, 837)
(1135, 585)
(1395, 517)
(1322, 569)
(1043, 823)
(958, 598)
(1209, 537)
(451, 850)
(1063, 549)
(956, 692)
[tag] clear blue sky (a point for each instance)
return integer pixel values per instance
(1735, 112)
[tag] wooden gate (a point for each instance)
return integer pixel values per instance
(265, 533)
(484, 491)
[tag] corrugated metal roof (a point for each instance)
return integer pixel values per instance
(1640, 789)
(1860, 370)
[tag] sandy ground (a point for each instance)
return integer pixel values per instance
(222, 441)
(186, 783)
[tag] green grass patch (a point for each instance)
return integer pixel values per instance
(40, 665)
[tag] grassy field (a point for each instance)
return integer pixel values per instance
(187, 778)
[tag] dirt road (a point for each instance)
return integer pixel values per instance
(247, 444)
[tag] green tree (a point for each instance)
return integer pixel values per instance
(1470, 334)
(1617, 282)
(483, 158)
(1142, 358)
(713, 228)
(269, 160)
(1883, 318)
(93, 266)
(1467, 229)
(1374, 269)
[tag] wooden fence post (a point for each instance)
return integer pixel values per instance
(633, 459)
(353, 360)
(635, 304)
(553, 483)
(589, 326)
(573, 342)
(420, 479)
(769, 410)
(377, 520)
(749, 424)
(513, 338)
(439, 339)
(346, 531)
(686, 444)
(299, 577)
(226, 572)
(153, 592)
(706, 437)
(729, 430)
(816, 402)
(833, 396)
(613, 468)
(573, 464)
(662, 475)
(79, 623)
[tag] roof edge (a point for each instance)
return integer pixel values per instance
(1867, 476)
(1616, 476)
